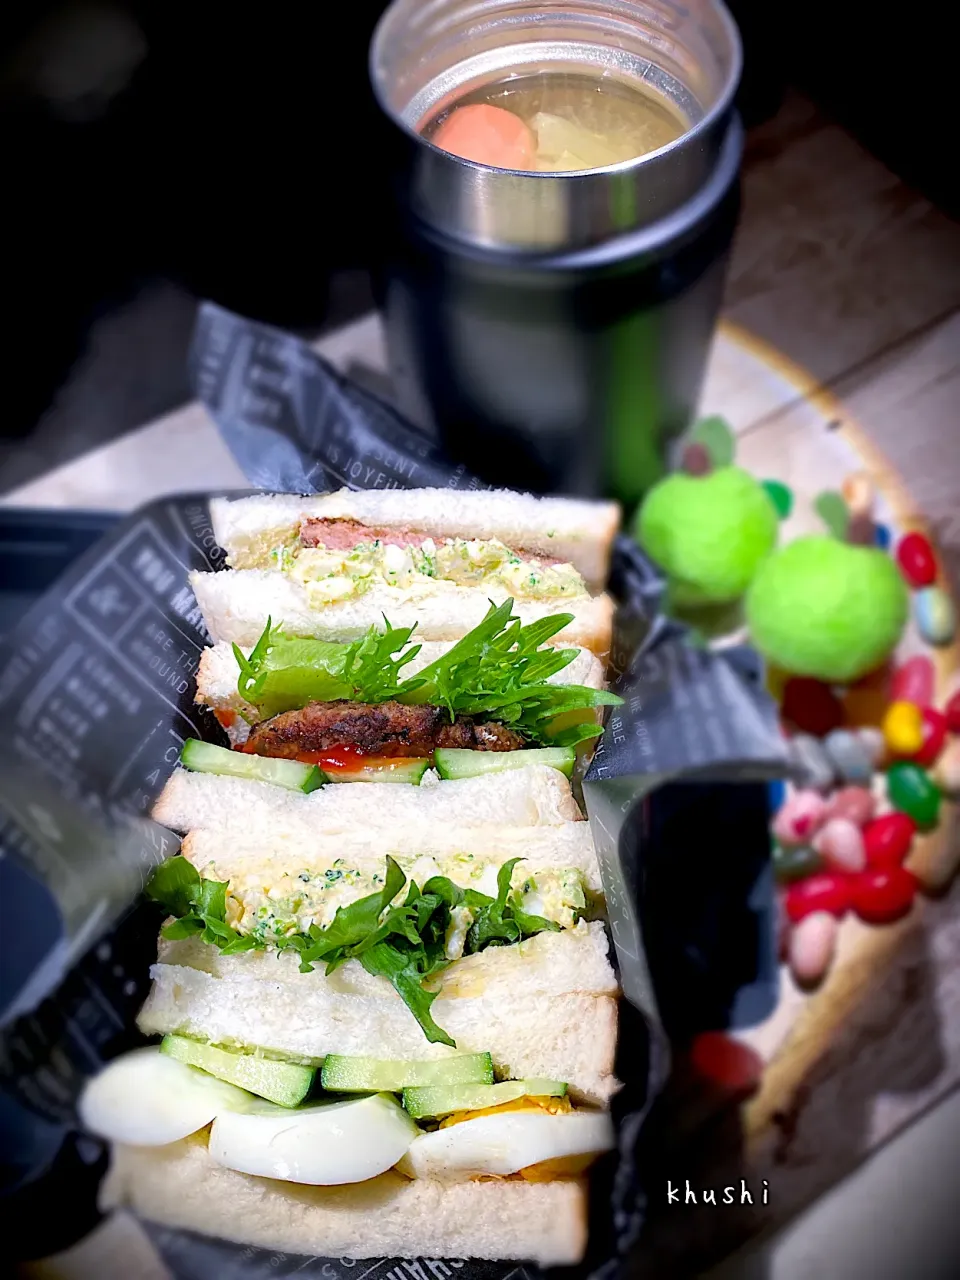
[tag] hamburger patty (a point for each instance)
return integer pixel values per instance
(387, 729)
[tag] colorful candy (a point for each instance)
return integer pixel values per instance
(826, 891)
(848, 755)
(811, 706)
(795, 862)
(858, 493)
(917, 562)
(856, 804)
(881, 537)
(903, 728)
(934, 729)
(951, 713)
(840, 844)
(780, 496)
(871, 739)
(912, 792)
(887, 840)
(880, 896)
(914, 681)
(935, 616)
(727, 1063)
(800, 818)
(811, 758)
(811, 946)
(865, 701)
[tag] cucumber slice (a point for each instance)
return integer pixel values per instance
(399, 770)
(373, 1075)
(441, 1101)
(452, 762)
(204, 757)
(285, 1083)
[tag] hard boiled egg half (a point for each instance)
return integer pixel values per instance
(325, 1143)
(505, 1142)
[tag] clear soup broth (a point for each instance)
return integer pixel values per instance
(555, 122)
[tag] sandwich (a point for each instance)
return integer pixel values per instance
(388, 1010)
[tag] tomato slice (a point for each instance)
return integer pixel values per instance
(346, 757)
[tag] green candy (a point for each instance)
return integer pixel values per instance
(795, 864)
(708, 533)
(780, 496)
(912, 791)
(827, 609)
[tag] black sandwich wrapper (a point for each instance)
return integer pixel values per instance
(96, 688)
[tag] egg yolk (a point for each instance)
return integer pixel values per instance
(488, 135)
(555, 1107)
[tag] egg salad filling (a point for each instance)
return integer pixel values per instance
(333, 574)
(271, 904)
(441, 1119)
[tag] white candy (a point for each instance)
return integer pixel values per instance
(813, 941)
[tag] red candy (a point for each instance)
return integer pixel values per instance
(811, 706)
(914, 682)
(826, 891)
(884, 895)
(730, 1065)
(887, 840)
(951, 713)
(934, 737)
(916, 560)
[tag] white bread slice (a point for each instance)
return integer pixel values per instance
(571, 530)
(544, 1008)
(460, 852)
(531, 797)
(218, 674)
(237, 603)
(388, 1217)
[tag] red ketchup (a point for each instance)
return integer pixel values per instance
(343, 759)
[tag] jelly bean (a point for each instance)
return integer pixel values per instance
(696, 459)
(860, 532)
(812, 760)
(951, 713)
(858, 493)
(914, 681)
(887, 840)
(903, 728)
(826, 891)
(811, 706)
(883, 895)
(727, 1063)
(856, 804)
(776, 794)
(795, 863)
(848, 755)
(865, 702)
(911, 791)
(935, 616)
(840, 844)
(800, 818)
(873, 744)
(917, 562)
(812, 944)
(947, 772)
(934, 737)
(881, 537)
(780, 496)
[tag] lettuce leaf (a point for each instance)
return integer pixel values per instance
(499, 670)
(402, 941)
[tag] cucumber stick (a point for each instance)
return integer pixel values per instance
(374, 1075)
(442, 1100)
(400, 769)
(204, 757)
(285, 1083)
(452, 762)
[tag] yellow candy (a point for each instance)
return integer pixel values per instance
(903, 728)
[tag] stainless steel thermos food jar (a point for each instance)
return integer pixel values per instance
(552, 329)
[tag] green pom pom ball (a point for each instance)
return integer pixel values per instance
(708, 533)
(823, 608)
